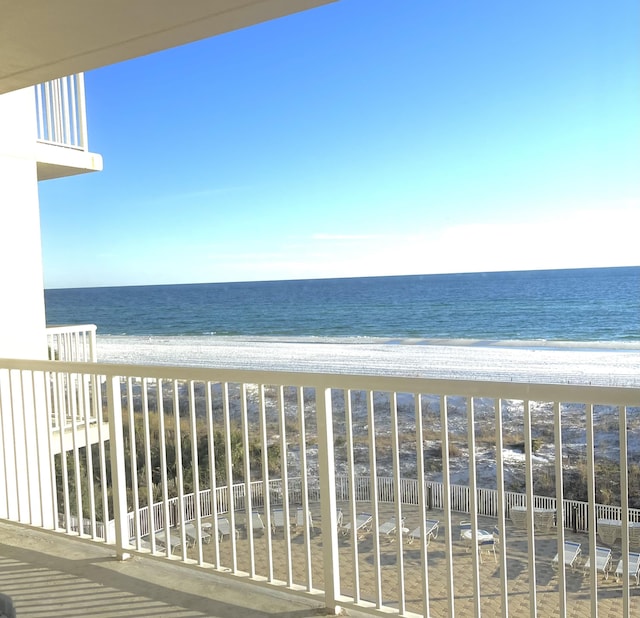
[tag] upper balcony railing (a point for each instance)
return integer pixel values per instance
(321, 444)
(61, 112)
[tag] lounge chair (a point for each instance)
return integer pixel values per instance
(431, 526)
(603, 562)
(224, 528)
(173, 541)
(300, 519)
(191, 533)
(465, 534)
(389, 528)
(277, 520)
(464, 526)
(634, 567)
(571, 552)
(256, 522)
(363, 524)
(518, 516)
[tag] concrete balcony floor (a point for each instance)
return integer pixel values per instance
(49, 574)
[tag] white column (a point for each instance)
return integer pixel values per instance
(22, 315)
(22, 318)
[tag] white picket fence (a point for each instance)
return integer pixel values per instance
(575, 512)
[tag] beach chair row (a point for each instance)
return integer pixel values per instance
(388, 530)
(603, 563)
(258, 525)
(173, 538)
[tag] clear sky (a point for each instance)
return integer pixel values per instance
(366, 137)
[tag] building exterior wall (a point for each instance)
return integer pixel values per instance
(22, 312)
(23, 421)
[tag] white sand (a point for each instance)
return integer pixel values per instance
(579, 363)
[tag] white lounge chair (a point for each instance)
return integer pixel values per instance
(256, 522)
(363, 524)
(465, 534)
(634, 567)
(300, 519)
(603, 562)
(571, 552)
(543, 519)
(173, 541)
(224, 528)
(277, 520)
(518, 516)
(389, 528)
(191, 533)
(431, 526)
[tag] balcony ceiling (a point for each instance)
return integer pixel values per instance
(41, 40)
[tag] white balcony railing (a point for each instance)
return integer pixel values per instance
(70, 409)
(72, 343)
(61, 112)
(175, 433)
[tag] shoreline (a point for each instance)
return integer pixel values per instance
(585, 363)
(528, 344)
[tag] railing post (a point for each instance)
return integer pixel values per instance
(118, 475)
(328, 505)
(82, 113)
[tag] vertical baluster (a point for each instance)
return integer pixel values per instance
(285, 484)
(118, 476)
(229, 465)
(528, 473)
(326, 468)
(351, 489)
(180, 521)
(624, 503)
(212, 473)
(244, 420)
(502, 509)
(422, 505)
(374, 490)
(302, 439)
(397, 498)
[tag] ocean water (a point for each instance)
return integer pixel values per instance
(586, 305)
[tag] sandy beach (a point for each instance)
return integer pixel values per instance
(605, 364)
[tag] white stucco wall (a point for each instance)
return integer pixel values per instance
(25, 485)
(22, 315)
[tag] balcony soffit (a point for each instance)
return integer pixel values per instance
(40, 41)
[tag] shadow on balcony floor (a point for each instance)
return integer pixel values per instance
(48, 574)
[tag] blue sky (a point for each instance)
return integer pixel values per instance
(366, 137)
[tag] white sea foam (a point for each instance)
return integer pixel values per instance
(612, 364)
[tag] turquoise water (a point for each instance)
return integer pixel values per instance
(560, 305)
